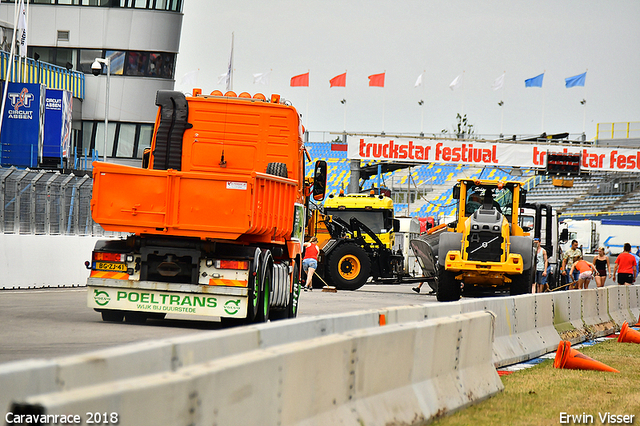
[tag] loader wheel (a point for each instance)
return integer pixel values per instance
(521, 284)
(348, 267)
(277, 169)
(448, 289)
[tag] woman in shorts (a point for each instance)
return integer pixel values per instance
(603, 269)
(310, 261)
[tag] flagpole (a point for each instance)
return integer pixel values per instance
(230, 70)
(502, 106)
(9, 67)
(543, 104)
(26, 43)
(584, 117)
(345, 102)
(424, 90)
(383, 101)
(462, 112)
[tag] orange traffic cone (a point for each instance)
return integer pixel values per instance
(566, 357)
(628, 334)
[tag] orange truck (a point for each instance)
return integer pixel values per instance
(215, 217)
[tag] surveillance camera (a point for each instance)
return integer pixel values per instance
(96, 68)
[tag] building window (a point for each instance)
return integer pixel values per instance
(124, 140)
(169, 5)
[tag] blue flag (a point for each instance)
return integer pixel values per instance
(576, 80)
(535, 81)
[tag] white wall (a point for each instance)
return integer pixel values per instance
(44, 260)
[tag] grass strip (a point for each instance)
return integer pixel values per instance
(538, 395)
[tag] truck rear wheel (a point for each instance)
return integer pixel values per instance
(109, 315)
(265, 282)
(291, 310)
(521, 284)
(348, 267)
(448, 288)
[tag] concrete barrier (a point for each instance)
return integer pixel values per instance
(618, 302)
(595, 312)
(150, 357)
(544, 322)
(634, 302)
(402, 373)
(567, 316)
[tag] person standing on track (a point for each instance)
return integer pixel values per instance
(310, 261)
(601, 262)
(542, 263)
(567, 263)
(625, 266)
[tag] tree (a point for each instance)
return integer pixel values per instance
(462, 130)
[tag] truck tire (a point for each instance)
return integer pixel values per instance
(253, 299)
(132, 317)
(277, 169)
(348, 267)
(521, 284)
(448, 288)
(109, 315)
(265, 283)
(291, 310)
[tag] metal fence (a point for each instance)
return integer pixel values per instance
(46, 203)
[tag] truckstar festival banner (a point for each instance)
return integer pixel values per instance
(487, 153)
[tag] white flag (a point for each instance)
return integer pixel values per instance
(223, 79)
(22, 29)
(190, 78)
(261, 78)
(418, 81)
(457, 82)
(498, 83)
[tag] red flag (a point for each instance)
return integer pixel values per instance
(300, 80)
(338, 80)
(376, 80)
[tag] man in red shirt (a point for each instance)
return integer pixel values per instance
(625, 266)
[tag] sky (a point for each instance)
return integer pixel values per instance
(440, 40)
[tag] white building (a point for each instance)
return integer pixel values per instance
(141, 37)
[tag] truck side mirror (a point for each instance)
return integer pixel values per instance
(319, 180)
(564, 236)
(146, 158)
(396, 225)
(523, 196)
(456, 192)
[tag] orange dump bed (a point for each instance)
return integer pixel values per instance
(223, 190)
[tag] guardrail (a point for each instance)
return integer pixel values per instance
(427, 361)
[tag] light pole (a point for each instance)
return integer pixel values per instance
(96, 69)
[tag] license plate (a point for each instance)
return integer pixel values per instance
(108, 266)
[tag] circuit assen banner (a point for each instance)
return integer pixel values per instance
(501, 154)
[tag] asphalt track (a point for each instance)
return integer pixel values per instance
(55, 322)
(48, 323)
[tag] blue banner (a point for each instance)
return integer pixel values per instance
(22, 125)
(57, 124)
(535, 81)
(576, 80)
